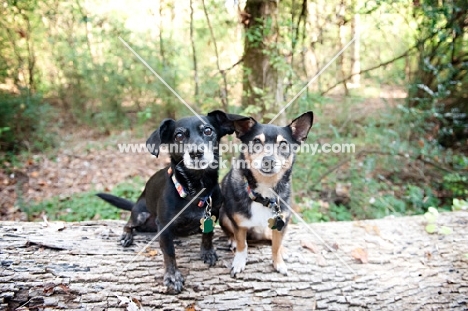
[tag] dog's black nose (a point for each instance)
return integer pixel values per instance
(268, 163)
(196, 154)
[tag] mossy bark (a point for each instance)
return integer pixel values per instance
(262, 80)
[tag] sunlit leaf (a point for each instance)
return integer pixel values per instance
(433, 210)
(431, 218)
(445, 230)
(431, 228)
(459, 205)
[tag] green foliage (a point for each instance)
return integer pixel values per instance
(385, 174)
(457, 184)
(85, 206)
(71, 50)
(24, 122)
(439, 86)
(431, 218)
(311, 211)
(420, 199)
(459, 205)
(388, 205)
(340, 213)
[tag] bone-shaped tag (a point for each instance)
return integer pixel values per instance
(276, 222)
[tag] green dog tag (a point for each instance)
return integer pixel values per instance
(207, 224)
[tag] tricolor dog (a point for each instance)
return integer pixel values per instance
(257, 187)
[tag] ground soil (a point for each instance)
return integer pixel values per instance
(85, 161)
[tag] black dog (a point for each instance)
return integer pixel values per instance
(251, 210)
(193, 148)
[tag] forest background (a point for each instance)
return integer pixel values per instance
(398, 92)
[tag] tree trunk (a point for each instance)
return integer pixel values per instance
(194, 55)
(342, 34)
(262, 81)
(170, 104)
(356, 57)
(314, 30)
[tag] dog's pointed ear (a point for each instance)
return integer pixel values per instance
(229, 123)
(162, 135)
(300, 126)
(241, 127)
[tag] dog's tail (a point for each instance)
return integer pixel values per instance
(116, 201)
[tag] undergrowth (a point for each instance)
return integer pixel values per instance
(390, 173)
(85, 206)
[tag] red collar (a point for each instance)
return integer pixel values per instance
(182, 193)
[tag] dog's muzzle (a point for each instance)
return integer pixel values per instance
(198, 158)
(269, 165)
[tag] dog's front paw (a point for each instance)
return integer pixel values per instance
(284, 253)
(281, 267)
(126, 239)
(174, 281)
(238, 264)
(209, 256)
(232, 244)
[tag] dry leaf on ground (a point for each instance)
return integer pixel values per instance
(190, 307)
(360, 255)
(310, 246)
(151, 252)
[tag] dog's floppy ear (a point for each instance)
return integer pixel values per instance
(229, 123)
(162, 135)
(300, 126)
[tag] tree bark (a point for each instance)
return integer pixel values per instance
(342, 35)
(223, 91)
(194, 55)
(82, 266)
(262, 80)
(169, 106)
(356, 57)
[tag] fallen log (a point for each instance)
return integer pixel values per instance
(387, 264)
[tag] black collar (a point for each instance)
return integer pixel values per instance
(257, 197)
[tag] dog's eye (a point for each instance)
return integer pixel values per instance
(257, 141)
(207, 131)
(179, 137)
(283, 146)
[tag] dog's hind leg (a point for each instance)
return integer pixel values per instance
(138, 218)
(126, 239)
